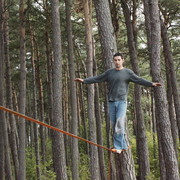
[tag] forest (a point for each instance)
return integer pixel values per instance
(45, 45)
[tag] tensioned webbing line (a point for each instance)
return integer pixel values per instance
(51, 127)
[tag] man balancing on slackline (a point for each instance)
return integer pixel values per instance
(118, 79)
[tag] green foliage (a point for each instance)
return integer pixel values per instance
(47, 172)
(171, 6)
(84, 173)
(46, 168)
(151, 176)
(153, 155)
(30, 164)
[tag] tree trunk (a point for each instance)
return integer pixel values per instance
(66, 114)
(9, 103)
(49, 68)
(154, 130)
(173, 121)
(22, 94)
(106, 31)
(81, 104)
(170, 65)
(40, 105)
(58, 149)
(109, 48)
(161, 159)
(142, 147)
(2, 117)
(163, 122)
(94, 165)
(99, 132)
(147, 23)
(74, 117)
(36, 131)
(125, 166)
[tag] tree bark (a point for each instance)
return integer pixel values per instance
(94, 165)
(173, 80)
(58, 149)
(22, 94)
(174, 127)
(163, 122)
(2, 117)
(40, 104)
(125, 166)
(108, 46)
(142, 147)
(73, 98)
(99, 132)
(36, 131)
(13, 129)
(106, 31)
(49, 66)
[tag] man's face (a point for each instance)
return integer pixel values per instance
(118, 61)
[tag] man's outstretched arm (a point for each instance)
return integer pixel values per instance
(94, 79)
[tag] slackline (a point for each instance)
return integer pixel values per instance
(51, 127)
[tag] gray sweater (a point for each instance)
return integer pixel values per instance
(118, 82)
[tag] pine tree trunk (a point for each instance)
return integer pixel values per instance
(49, 75)
(170, 65)
(109, 47)
(22, 94)
(9, 103)
(125, 166)
(154, 130)
(74, 117)
(106, 31)
(174, 127)
(36, 140)
(40, 106)
(147, 23)
(2, 117)
(82, 114)
(163, 122)
(142, 148)
(66, 113)
(161, 159)
(94, 163)
(58, 149)
(99, 133)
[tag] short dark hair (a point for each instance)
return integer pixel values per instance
(118, 54)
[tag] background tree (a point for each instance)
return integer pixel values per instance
(171, 78)
(9, 100)
(162, 116)
(94, 163)
(57, 138)
(73, 99)
(2, 164)
(22, 93)
(142, 148)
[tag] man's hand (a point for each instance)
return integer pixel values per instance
(79, 80)
(156, 84)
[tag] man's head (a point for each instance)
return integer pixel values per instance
(118, 60)
(118, 54)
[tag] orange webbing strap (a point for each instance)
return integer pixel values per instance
(51, 127)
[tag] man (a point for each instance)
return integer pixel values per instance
(118, 79)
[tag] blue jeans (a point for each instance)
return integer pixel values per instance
(117, 113)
